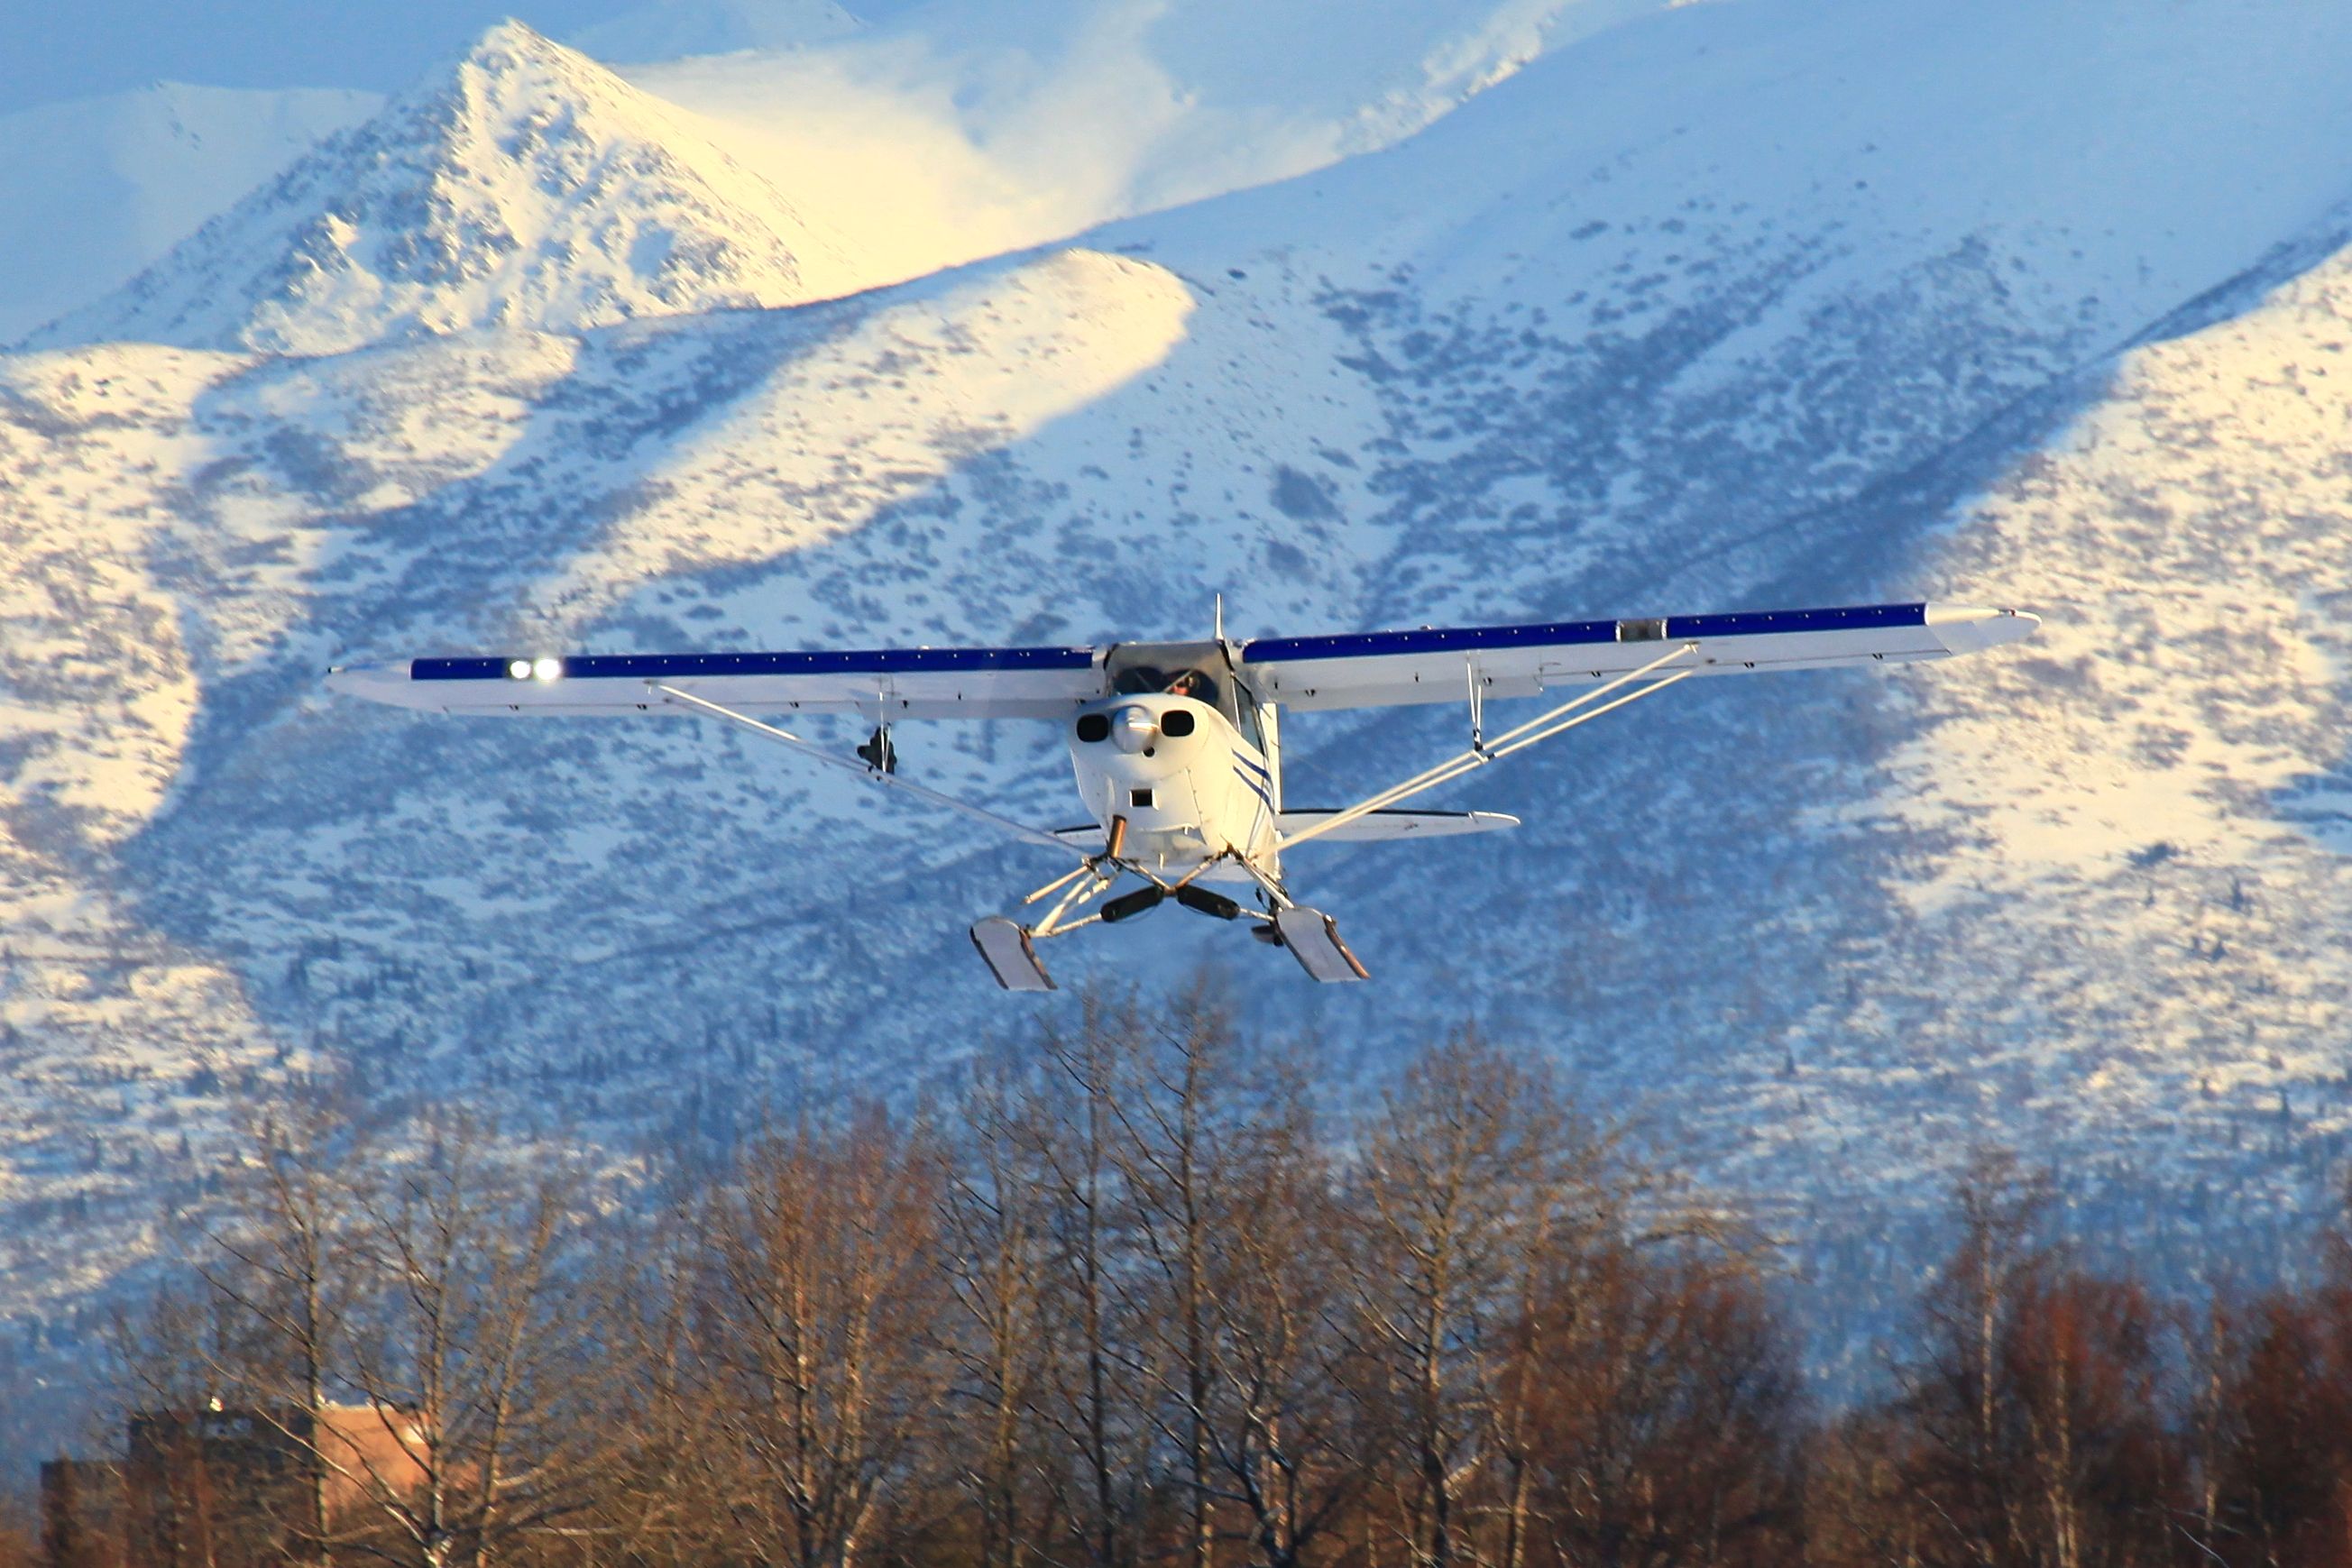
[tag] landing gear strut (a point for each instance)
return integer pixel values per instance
(1009, 948)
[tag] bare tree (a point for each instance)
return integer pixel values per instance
(76, 1529)
(1458, 1181)
(2212, 1403)
(2282, 1479)
(256, 1325)
(667, 1493)
(992, 1253)
(280, 1258)
(1294, 1441)
(1662, 1411)
(397, 1326)
(817, 1319)
(468, 1355)
(1954, 1393)
(2033, 1423)
(1173, 1154)
(1135, 1305)
(1091, 1399)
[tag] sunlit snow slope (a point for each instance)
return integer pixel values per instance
(1735, 304)
(1014, 122)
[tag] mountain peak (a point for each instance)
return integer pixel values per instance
(522, 184)
(512, 37)
(514, 53)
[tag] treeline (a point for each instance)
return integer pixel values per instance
(1137, 1297)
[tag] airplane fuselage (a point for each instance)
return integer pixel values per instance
(1191, 786)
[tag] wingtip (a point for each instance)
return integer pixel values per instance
(1972, 628)
(380, 682)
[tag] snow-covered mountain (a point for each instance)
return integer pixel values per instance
(527, 187)
(1728, 306)
(938, 135)
(1012, 123)
(96, 189)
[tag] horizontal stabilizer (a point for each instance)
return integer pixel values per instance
(1375, 827)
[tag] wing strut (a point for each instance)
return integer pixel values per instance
(1555, 721)
(865, 771)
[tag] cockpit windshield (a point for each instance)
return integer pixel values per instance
(1201, 671)
(1138, 679)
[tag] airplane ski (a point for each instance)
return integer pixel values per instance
(1313, 939)
(1004, 947)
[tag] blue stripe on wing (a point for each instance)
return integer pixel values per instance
(1678, 628)
(677, 666)
(1756, 624)
(1440, 640)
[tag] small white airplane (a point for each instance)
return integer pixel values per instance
(1178, 747)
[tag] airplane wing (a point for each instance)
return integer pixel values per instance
(1357, 670)
(884, 683)
(1378, 669)
(1374, 827)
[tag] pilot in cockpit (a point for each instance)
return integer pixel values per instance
(1194, 685)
